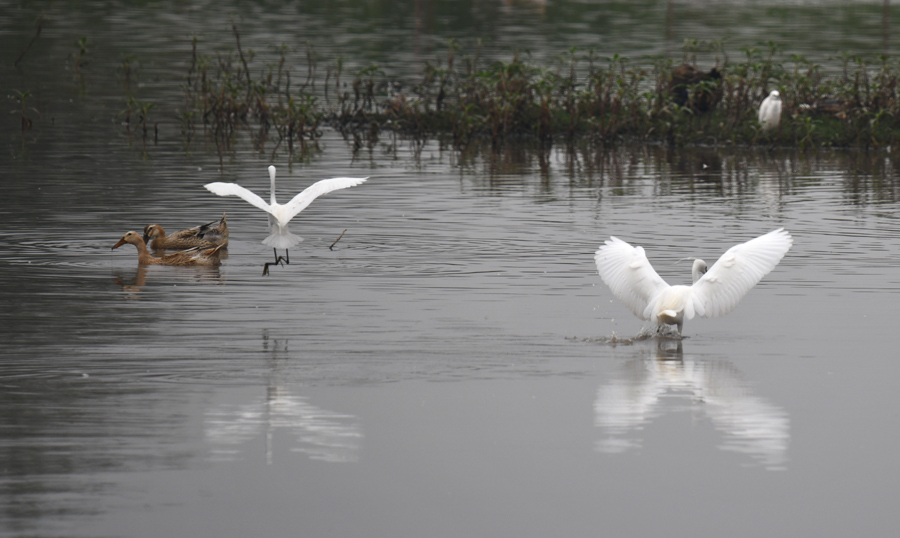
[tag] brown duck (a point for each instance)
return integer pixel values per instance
(204, 236)
(193, 256)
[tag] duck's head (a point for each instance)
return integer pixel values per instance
(152, 231)
(130, 237)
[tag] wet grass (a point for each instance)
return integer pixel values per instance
(222, 98)
(462, 99)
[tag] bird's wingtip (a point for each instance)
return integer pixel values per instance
(220, 188)
(784, 233)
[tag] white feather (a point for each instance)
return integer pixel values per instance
(737, 271)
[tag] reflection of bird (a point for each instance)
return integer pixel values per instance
(204, 236)
(770, 111)
(644, 390)
(280, 215)
(320, 434)
(631, 278)
(194, 256)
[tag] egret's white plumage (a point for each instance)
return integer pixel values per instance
(280, 215)
(770, 111)
(631, 278)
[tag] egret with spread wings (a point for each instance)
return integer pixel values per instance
(715, 292)
(280, 216)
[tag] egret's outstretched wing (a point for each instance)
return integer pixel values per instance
(628, 273)
(233, 189)
(737, 271)
(299, 202)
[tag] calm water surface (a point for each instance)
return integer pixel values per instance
(443, 370)
(446, 369)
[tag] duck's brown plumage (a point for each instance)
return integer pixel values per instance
(698, 90)
(193, 256)
(211, 234)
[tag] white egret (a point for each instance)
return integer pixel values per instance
(715, 292)
(280, 215)
(770, 111)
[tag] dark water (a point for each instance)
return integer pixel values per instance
(445, 370)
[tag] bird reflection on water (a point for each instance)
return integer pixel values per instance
(318, 433)
(134, 280)
(648, 388)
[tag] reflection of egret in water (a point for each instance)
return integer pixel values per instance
(650, 388)
(320, 434)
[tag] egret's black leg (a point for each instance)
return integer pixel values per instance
(266, 267)
(278, 261)
(285, 258)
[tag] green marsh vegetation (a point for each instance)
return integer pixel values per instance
(710, 96)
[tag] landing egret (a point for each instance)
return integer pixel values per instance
(280, 215)
(715, 292)
(770, 111)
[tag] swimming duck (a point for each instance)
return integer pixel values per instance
(193, 256)
(203, 236)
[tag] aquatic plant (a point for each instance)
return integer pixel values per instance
(128, 70)
(140, 112)
(82, 45)
(25, 121)
(621, 101)
(460, 98)
(223, 96)
(37, 33)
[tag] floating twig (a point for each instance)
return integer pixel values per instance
(331, 247)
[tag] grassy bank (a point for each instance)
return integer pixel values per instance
(460, 98)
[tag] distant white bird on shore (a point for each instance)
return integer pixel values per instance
(770, 111)
(280, 215)
(715, 292)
